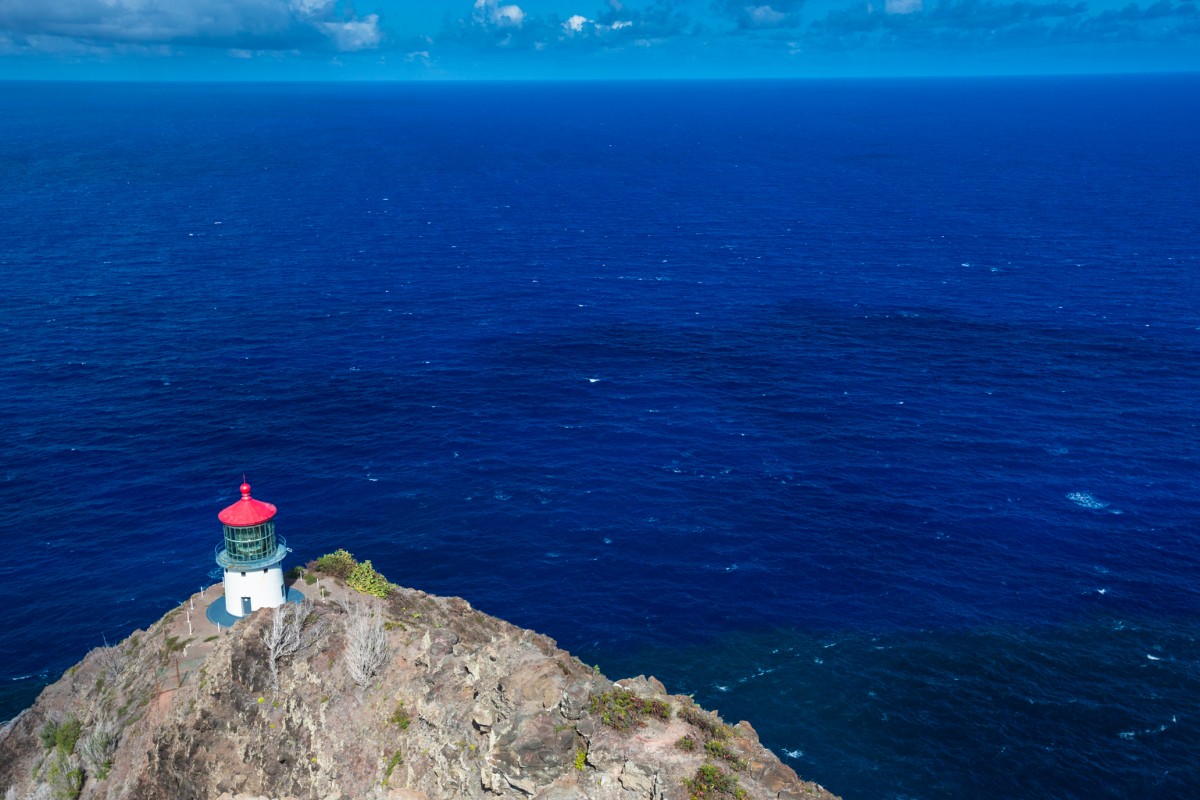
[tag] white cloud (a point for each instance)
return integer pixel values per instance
(576, 22)
(502, 16)
(239, 53)
(230, 24)
(310, 7)
(359, 34)
(902, 6)
(765, 15)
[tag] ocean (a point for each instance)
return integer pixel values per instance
(862, 410)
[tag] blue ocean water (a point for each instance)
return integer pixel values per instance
(866, 411)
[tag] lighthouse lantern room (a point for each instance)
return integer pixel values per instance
(251, 556)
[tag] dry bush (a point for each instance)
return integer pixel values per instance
(366, 642)
(293, 627)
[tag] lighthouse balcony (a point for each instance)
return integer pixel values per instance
(244, 563)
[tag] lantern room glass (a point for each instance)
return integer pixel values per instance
(251, 542)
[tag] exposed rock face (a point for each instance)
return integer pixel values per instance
(465, 706)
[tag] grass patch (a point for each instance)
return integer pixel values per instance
(711, 782)
(625, 711)
(396, 760)
(720, 749)
(175, 644)
(708, 724)
(400, 717)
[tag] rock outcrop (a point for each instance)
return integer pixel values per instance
(465, 705)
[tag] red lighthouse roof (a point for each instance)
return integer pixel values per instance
(247, 511)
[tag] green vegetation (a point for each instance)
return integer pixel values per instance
(98, 748)
(719, 749)
(625, 711)
(66, 735)
(174, 644)
(711, 782)
(361, 576)
(400, 717)
(367, 580)
(396, 760)
(65, 776)
(580, 759)
(310, 579)
(293, 574)
(339, 564)
(49, 735)
(708, 724)
(686, 744)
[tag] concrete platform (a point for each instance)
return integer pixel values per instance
(218, 616)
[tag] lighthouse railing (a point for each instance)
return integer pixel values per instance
(245, 565)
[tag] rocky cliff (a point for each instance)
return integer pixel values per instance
(413, 696)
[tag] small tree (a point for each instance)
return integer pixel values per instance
(366, 642)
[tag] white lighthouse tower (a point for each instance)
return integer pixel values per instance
(251, 556)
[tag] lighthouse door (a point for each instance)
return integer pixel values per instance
(245, 606)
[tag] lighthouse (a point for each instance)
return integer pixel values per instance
(251, 556)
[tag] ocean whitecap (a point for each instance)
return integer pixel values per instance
(1086, 500)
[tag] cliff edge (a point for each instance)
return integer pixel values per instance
(350, 696)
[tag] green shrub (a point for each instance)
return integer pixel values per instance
(339, 564)
(67, 734)
(49, 734)
(685, 743)
(310, 579)
(580, 759)
(293, 574)
(400, 717)
(65, 777)
(624, 710)
(367, 580)
(711, 782)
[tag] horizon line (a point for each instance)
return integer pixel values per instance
(623, 79)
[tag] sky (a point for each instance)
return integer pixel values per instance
(588, 39)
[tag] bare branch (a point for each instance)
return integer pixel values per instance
(290, 631)
(366, 642)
